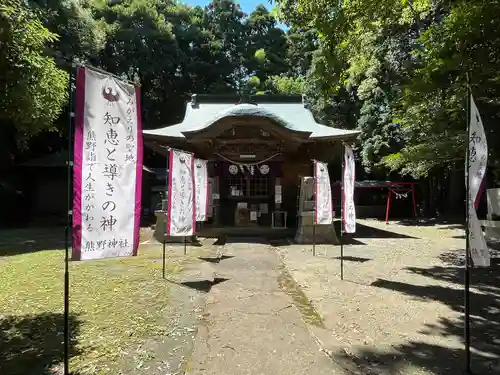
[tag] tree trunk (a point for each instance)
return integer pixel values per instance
(455, 191)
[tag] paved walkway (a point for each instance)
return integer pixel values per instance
(250, 326)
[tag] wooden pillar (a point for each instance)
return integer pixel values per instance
(413, 199)
(216, 202)
(388, 208)
(277, 182)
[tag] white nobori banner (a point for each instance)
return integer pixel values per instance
(181, 215)
(201, 188)
(323, 192)
(107, 167)
(349, 180)
(477, 161)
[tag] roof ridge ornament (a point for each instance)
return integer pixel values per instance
(194, 101)
(245, 99)
(305, 101)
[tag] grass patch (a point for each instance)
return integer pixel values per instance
(300, 300)
(115, 305)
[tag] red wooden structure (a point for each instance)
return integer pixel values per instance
(396, 189)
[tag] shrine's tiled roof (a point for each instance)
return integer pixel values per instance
(288, 111)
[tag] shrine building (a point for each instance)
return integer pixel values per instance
(257, 149)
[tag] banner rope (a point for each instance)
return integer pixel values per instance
(178, 150)
(249, 164)
(399, 193)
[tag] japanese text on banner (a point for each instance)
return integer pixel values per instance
(323, 191)
(349, 180)
(201, 188)
(181, 214)
(477, 163)
(108, 168)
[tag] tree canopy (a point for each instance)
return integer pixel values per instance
(394, 69)
(172, 48)
(33, 88)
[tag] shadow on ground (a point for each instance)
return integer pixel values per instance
(22, 241)
(347, 239)
(223, 240)
(451, 223)
(365, 231)
(353, 259)
(441, 360)
(279, 242)
(33, 344)
(203, 285)
(274, 241)
(215, 259)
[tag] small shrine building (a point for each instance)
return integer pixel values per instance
(257, 149)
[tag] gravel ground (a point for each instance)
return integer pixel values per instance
(167, 353)
(399, 308)
(255, 322)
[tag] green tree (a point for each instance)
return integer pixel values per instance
(142, 43)
(33, 90)
(172, 48)
(267, 49)
(404, 62)
(287, 85)
(464, 41)
(225, 21)
(80, 36)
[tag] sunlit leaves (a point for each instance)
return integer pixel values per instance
(287, 85)
(260, 55)
(32, 88)
(405, 59)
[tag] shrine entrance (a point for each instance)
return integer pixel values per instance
(247, 195)
(256, 149)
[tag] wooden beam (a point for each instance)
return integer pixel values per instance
(264, 123)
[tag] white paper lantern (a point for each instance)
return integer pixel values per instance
(233, 169)
(264, 169)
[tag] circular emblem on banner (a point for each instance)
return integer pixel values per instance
(233, 169)
(110, 94)
(264, 169)
(198, 165)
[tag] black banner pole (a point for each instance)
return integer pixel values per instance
(314, 236)
(164, 256)
(185, 245)
(166, 211)
(342, 213)
(315, 207)
(467, 340)
(68, 231)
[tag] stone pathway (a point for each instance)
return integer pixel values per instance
(399, 309)
(252, 327)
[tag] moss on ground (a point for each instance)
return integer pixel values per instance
(115, 304)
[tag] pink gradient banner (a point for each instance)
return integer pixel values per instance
(323, 194)
(107, 169)
(181, 219)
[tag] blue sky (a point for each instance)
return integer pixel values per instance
(247, 5)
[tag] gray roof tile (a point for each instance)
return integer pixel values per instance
(293, 116)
